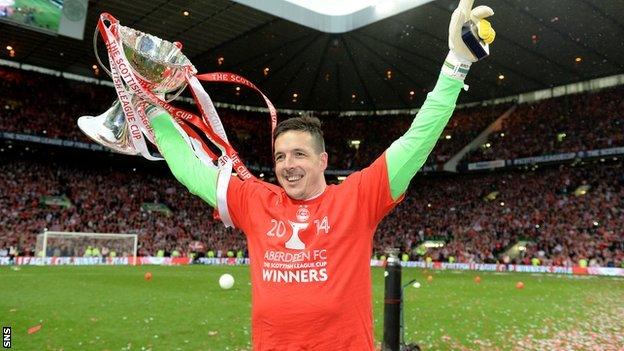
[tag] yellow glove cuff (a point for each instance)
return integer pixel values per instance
(486, 32)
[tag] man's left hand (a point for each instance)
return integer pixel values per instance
(460, 57)
(462, 14)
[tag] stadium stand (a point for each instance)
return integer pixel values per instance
(108, 192)
(569, 123)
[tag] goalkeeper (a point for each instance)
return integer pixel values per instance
(310, 243)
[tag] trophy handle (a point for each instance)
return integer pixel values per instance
(105, 16)
(97, 57)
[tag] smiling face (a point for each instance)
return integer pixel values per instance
(299, 164)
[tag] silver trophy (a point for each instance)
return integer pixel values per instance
(144, 68)
(158, 64)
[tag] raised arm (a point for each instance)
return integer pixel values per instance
(199, 178)
(408, 153)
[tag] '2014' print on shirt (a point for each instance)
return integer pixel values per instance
(287, 267)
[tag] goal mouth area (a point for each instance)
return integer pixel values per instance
(82, 244)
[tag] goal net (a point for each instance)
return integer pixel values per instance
(74, 244)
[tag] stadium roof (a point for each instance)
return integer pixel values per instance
(539, 44)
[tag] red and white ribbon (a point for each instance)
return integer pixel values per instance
(209, 124)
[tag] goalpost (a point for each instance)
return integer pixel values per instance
(77, 244)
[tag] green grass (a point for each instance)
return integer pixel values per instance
(183, 308)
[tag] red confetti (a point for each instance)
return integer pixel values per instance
(34, 329)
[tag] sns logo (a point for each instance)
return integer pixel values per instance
(6, 337)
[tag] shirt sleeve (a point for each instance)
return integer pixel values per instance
(408, 153)
(373, 193)
(238, 196)
(199, 179)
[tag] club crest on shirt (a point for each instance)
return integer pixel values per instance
(303, 214)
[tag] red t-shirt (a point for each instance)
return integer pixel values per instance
(310, 260)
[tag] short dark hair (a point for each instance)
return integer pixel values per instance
(308, 124)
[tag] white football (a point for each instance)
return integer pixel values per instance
(226, 281)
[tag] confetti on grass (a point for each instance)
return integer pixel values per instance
(34, 329)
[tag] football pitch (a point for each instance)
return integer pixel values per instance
(183, 308)
(43, 14)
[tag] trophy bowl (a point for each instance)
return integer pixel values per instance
(158, 62)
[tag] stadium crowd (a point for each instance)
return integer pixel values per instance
(44, 105)
(570, 123)
(105, 201)
(478, 216)
(568, 213)
(541, 206)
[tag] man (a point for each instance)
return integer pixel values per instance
(310, 243)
